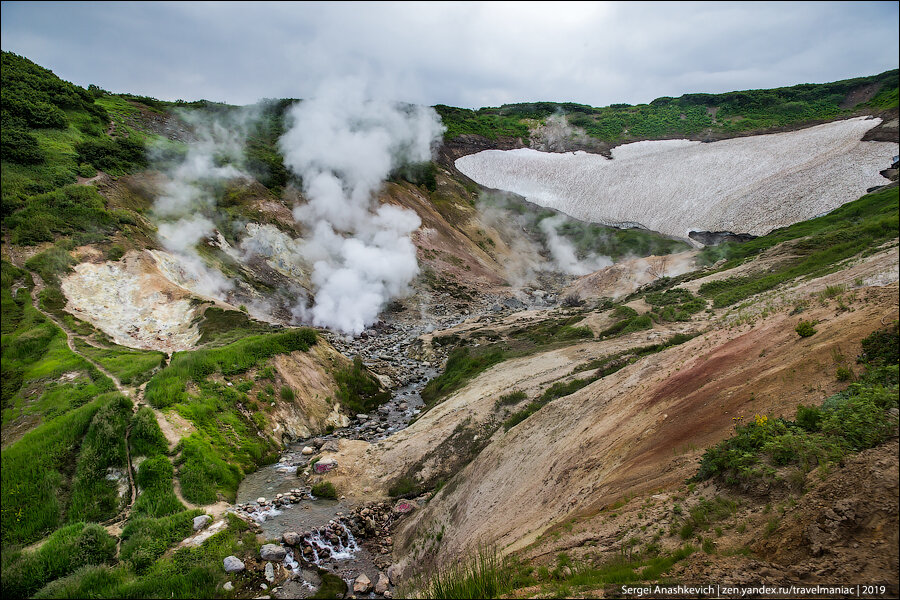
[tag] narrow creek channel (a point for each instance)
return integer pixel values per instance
(287, 504)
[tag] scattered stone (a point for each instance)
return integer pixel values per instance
(233, 564)
(228, 586)
(272, 552)
(291, 538)
(307, 450)
(270, 573)
(201, 521)
(362, 585)
(260, 500)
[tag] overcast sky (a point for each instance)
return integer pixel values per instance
(463, 54)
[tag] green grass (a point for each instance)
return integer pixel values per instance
(486, 575)
(462, 365)
(146, 437)
(67, 550)
(131, 367)
(358, 389)
(94, 497)
(203, 470)
(145, 539)
(194, 572)
(37, 471)
(157, 496)
(820, 244)
(219, 326)
(168, 386)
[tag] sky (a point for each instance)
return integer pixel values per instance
(468, 54)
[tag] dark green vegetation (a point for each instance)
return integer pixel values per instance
(674, 305)
(332, 586)
(358, 389)
(67, 550)
(54, 131)
(817, 246)
(462, 365)
(94, 497)
(484, 122)
(805, 328)
(688, 115)
(855, 419)
(486, 575)
(587, 238)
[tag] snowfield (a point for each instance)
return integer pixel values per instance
(743, 185)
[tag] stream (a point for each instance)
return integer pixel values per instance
(325, 540)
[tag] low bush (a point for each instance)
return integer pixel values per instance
(324, 489)
(805, 328)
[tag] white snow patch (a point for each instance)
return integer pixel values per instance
(745, 185)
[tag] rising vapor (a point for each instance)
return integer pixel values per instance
(343, 143)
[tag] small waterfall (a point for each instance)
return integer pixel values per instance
(332, 542)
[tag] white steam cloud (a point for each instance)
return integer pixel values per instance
(563, 252)
(187, 195)
(343, 143)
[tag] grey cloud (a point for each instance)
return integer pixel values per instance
(465, 54)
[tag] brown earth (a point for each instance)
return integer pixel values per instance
(633, 432)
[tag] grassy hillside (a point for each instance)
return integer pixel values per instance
(690, 114)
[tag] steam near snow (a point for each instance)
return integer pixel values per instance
(343, 143)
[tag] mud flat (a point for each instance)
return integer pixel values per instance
(748, 185)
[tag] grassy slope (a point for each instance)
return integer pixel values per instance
(690, 114)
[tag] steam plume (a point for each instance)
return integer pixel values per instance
(343, 143)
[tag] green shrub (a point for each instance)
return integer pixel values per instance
(882, 347)
(511, 398)
(21, 147)
(843, 374)
(287, 394)
(324, 489)
(809, 417)
(805, 328)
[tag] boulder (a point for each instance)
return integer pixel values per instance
(405, 506)
(307, 450)
(270, 573)
(382, 586)
(325, 465)
(362, 585)
(394, 572)
(291, 538)
(233, 564)
(228, 586)
(272, 552)
(330, 446)
(201, 521)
